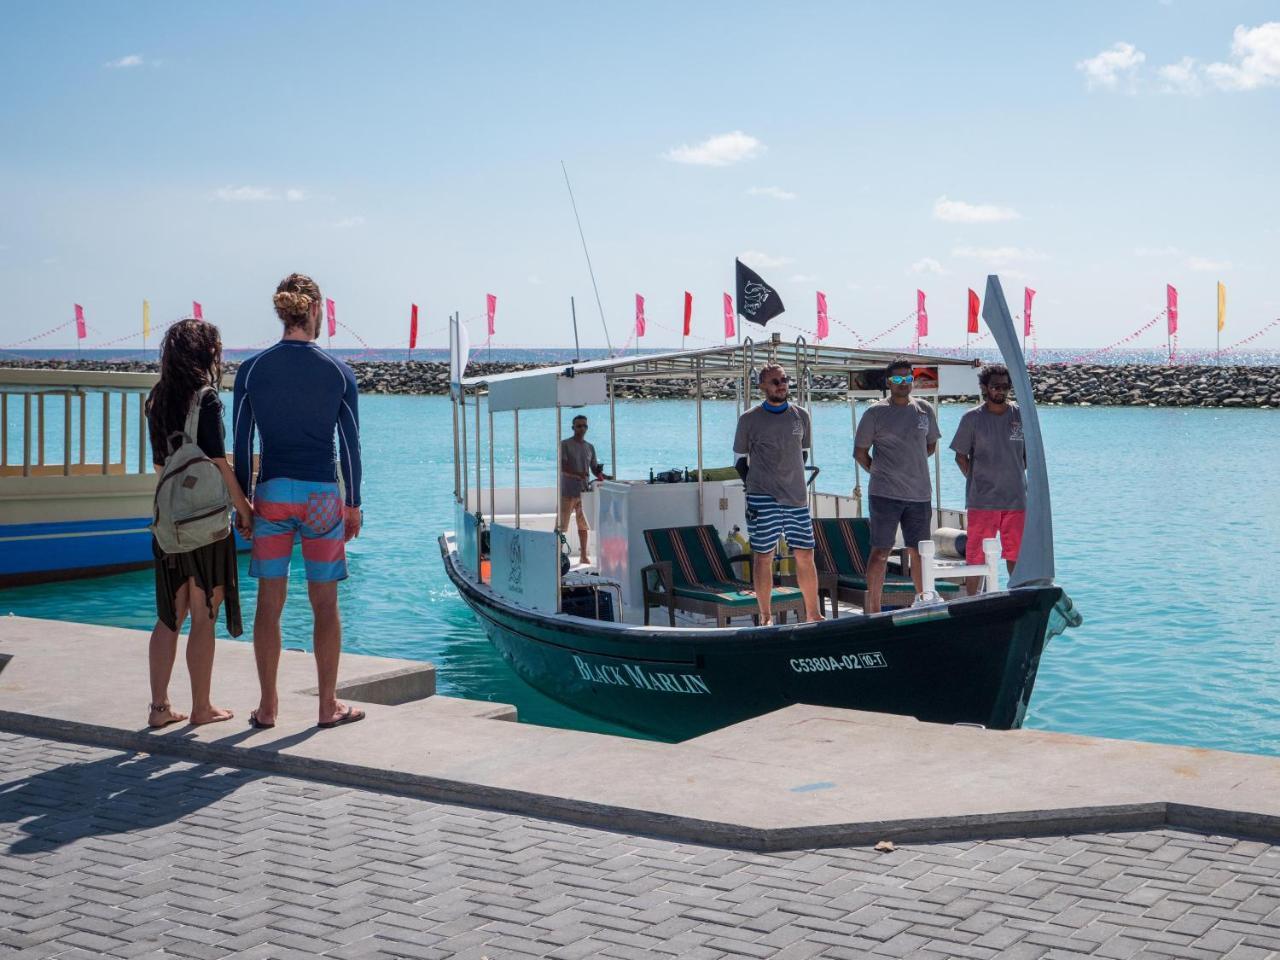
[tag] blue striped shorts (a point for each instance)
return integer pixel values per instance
(767, 520)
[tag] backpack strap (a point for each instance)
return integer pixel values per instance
(192, 426)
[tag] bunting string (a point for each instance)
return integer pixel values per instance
(1121, 342)
(38, 336)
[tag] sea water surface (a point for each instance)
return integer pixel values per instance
(1167, 526)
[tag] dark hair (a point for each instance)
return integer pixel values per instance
(990, 370)
(581, 416)
(898, 363)
(293, 300)
(771, 365)
(190, 358)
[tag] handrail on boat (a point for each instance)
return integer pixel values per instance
(72, 388)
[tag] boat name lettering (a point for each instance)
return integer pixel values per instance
(630, 675)
(850, 661)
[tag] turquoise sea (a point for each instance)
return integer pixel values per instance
(1167, 528)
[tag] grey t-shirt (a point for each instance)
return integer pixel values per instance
(772, 444)
(581, 458)
(899, 438)
(997, 456)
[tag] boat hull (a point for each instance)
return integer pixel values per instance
(969, 661)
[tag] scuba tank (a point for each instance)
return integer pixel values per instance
(735, 544)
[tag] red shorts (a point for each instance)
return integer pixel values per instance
(986, 524)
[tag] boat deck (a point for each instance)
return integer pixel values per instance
(797, 778)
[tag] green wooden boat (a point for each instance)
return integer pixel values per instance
(971, 660)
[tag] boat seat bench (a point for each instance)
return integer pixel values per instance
(692, 572)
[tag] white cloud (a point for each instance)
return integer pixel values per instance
(1255, 55)
(1205, 265)
(763, 261)
(132, 60)
(244, 194)
(1156, 252)
(958, 211)
(294, 194)
(1181, 77)
(776, 192)
(998, 256)
(346, 223)
(801, 278)
(719, 151)
(535, 279)
(926, 265)
(1110, 67)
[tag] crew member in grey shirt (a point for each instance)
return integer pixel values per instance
(771, 444)
(893, 444)
(992, 456)
(577, 461)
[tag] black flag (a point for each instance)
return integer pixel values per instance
(757, 301)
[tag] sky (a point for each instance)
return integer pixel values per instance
(411, 153)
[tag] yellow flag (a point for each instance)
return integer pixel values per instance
(146, 319)
(1222, 306)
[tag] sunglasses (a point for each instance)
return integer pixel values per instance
(897, 378)
(783, 380)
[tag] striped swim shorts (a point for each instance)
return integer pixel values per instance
(285, 510)
(767, 520)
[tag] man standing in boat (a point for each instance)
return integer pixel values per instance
(895, 439)
(992, 456)
(771, 444)
(577, 458)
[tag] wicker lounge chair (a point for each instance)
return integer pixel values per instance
(842, 547)
(691, 571)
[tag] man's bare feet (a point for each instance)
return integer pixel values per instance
(163, 714)
(212, 715)
(766, 621)
(815, 619)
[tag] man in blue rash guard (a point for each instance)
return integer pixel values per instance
(294, 396)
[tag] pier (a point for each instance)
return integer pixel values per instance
(438, 827)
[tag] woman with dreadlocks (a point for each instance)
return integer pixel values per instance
(201, 580)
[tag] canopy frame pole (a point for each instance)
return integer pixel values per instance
(479, 454)
(493, 494)
(937, 469)
(462, 419)
(613, 434)
(698, 403)
(559, 519)
(857, 470)
(516, 423)
(453, 404)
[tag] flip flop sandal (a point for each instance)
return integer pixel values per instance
(256, 723)
(159, 709)
(350, 715)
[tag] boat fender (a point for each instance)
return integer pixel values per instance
(951, 542)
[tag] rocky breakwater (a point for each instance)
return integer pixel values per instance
(1129, 385)
(1147, 385)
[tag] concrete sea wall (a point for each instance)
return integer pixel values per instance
(1128, 385)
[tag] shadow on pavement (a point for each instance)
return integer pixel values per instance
(116, 794)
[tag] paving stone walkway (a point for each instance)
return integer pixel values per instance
(104, 853)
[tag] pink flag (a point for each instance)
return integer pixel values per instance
(197, 311)
(688, 311)
(332, 313)
(1171, 298)
(639, 316)
(922, 316)
(1027, 294)
(728, 316)
(80, 331)
(824, 328)
(491, 303)
(413, 327)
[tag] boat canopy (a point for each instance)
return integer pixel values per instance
(588, 381)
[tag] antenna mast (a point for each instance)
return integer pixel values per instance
(590, 269)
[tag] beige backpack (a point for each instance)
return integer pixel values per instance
(192, 505)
